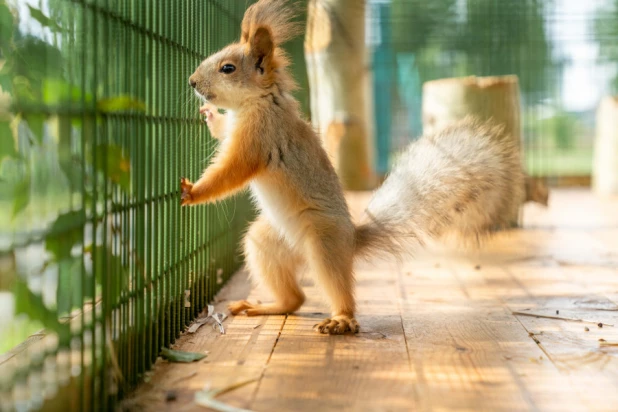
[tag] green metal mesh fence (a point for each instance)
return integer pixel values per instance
(100, 265)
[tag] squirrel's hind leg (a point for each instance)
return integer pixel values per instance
(330, 259)
(275, 264)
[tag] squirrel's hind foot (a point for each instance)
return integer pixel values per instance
(256, 310)
(337, 325)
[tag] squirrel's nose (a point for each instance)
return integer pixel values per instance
(193, 83)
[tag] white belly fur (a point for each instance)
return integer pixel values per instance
(277, 209)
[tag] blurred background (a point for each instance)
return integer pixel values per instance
(563, 51)
(99, 265)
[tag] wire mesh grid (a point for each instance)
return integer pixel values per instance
(101, 267)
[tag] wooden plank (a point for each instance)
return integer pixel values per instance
(437, 333)
(547, 288)
(366, 372)
(576, 350)
(240, 355)
(469, 352)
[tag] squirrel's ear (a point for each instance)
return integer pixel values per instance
(262, 46)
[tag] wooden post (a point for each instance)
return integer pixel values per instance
(497, 98)
(339, 82)
(605, 165)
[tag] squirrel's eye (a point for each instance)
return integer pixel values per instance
(227, 68)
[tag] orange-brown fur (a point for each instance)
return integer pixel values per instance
(304, 219)
(265, 142)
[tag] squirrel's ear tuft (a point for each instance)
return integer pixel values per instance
(261, 44)
(276, 16)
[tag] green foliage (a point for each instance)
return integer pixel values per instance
(36, 124)
(43, 19)
(70, 291)
(69, 163)
(491, 37)
(64, 234)
(117, 167)
(32, 60)
(35, 77)
(606, 31)
(7, 143)
(109, 270)
(566, 129)
(32, 305)
(497, 39)
(21, 196)
(563, 128)
(58, 92)
(6, 27)
(415, 23)
(120, 103)
(75, 122)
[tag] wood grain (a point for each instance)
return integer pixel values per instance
(437, 332)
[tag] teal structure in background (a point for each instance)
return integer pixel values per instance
(395, 78)
(383, 70)
(410, 90)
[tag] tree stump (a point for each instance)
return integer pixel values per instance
(486, 98)
(605, 164)
(449, 100)
(339, 82)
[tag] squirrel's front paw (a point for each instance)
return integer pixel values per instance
(210, 111)
(185, 192)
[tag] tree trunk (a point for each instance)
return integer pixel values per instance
(339, 81)
(605, 166)
(497, 98)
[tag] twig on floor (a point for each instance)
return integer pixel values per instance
(207, 397)
(218, 318)
(538, 315)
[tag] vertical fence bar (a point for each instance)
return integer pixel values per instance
(133, 129)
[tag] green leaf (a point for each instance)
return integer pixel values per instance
(58, 91)
(43, 19)
(33, 306)
(7, 143)
(180, 356)
(117, 168)
(36, 124)
(32, 59)
(22, 91)
(69, 291)
(109, 271)
(6, 27)
(64, 233)
(21, 196)
(69, 162)
(120, 103)
(6, 79)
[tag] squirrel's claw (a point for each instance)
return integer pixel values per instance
(338, 325)
(208, 110)
(185, 192)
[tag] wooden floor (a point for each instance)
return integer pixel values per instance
(444, 331)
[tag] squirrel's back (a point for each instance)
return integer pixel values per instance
(466, 179)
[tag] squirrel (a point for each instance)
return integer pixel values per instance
(465, 178)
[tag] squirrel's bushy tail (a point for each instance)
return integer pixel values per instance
(466, 180)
